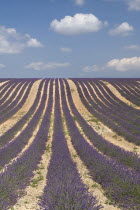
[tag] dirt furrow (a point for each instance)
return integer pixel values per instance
(7, 89)
(128, 88)
(133, 87)
(18, 91)
(1, 83)
(138, 89)
(95, 93)
(107, 92)
(102, 95)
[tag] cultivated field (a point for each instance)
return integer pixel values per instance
(69, 144)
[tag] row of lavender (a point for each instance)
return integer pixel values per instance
(130, 115)
(4, 87)
(13, 180)
(18, 174)
(109, 113)
(7, 92)
(116, 113)
(64, 189)
(12, 88)
(130, 121)
(17, 91)
(118, 175)
(8, 136)
(120, 182)
(13, 148)
(127, 158)
(128, 110)
(116, 104)
(16, 101)
(128, 88)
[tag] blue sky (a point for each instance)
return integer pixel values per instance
(69, 38)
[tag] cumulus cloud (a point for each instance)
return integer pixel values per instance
(78, 24)
(122, 65)
(133, 4)
(2, 66)
(46, 66)
(123, 29)
(79, 2)
(125, 64)
(66, 49)
(92, 68)
(11, 42)
(132, 47)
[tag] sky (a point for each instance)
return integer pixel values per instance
(69, 38)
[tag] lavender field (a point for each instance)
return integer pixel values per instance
(69, 144)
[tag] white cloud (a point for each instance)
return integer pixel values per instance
(132, 47)
(11, 42)
(123, 29)
(133, 4)
(66, 49)
(46, 66)
(124, 64)
(78, 24)
(93, 68)
(33, 43)
(2, 66)
(79, 2)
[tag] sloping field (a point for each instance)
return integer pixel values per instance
(69, 144)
